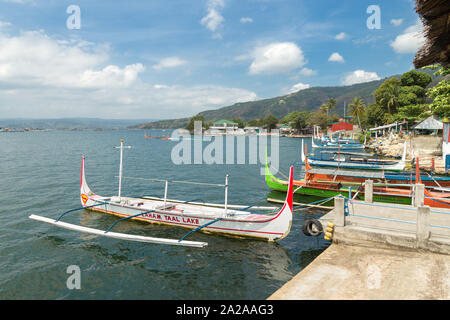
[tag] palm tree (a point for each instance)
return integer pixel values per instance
(390, 98)
(358, 107)
(331, 103)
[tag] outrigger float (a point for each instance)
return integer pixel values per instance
(231, 220)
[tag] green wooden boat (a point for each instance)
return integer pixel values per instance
(312, 191)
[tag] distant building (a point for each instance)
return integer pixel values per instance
(223, 126)
(252, 130)
(341, 125)
(284, 128)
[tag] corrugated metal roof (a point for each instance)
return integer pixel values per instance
(429, 123)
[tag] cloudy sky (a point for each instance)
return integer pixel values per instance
(160, 59)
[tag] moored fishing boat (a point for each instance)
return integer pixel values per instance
(378, 176)
(225, 219)
(342, 146)
(157, 137)
(352, 160)
(387, 193)
(358, 176)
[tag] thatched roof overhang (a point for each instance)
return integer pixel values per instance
(435, 16)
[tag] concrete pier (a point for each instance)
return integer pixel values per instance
(367, 272)
(379, 251)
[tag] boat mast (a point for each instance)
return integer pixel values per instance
(120, 164)
(226, 195)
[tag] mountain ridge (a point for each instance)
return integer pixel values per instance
(309, 99)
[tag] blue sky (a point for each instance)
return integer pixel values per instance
(170, 59)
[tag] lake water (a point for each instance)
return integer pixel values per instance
(40, 174)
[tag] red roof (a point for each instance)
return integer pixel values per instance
(341, 126)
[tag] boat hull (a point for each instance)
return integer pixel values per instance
(391, 178)
(223, 221)
(399, 166)
(232, 227)
(320, 190)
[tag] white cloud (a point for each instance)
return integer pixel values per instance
(5, 24)
(341, 36)
(213, 19)
(160, 86)
(246, 20)
(336, 57)
(170, 62)
(359, 76)
(410, 40)
(396, 22)
(111, 76)
(33, 57)
(278, 57)
(297, 87)
(307, 72)
(42, 77)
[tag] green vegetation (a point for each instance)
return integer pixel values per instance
(411, 96)
(298, 119)
(441, 99)
(192, 120)
(408, 98)
(358, 109)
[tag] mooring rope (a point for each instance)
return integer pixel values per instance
(321, 201)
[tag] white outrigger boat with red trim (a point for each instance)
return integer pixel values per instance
(225, 219)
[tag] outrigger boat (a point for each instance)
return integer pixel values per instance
(354, 160)
(387, 193)
(342, 146)
(224, 219)
(357, 176)
(157, 137)
(378, 176)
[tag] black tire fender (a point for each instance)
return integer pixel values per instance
(312, 227)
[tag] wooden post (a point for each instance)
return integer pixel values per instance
(339, 212)
(423, 226)
(419, 195)
(368, 191)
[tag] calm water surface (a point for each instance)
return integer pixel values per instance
(40, 174)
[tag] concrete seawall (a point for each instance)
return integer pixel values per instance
(379, 251)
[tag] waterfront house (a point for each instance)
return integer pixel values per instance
(430, 125)
(284, 128)
(223, 126)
